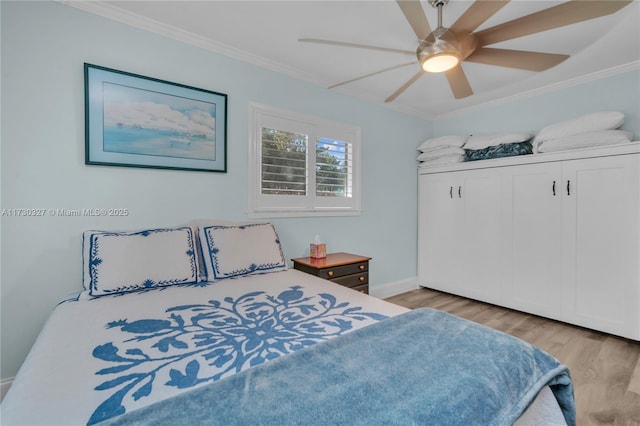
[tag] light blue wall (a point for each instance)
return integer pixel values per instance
(615, 93)
(44, 46)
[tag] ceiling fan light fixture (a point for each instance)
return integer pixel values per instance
(440, 62)
(439, 52)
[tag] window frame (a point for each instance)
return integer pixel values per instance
(272, 206)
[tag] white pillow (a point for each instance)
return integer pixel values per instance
(231, 251)
(440, 152)
(195, 226)
(603, 120)
(440, 161)
(485, 141)
(121, 262)
(450, 140)
(586, 140)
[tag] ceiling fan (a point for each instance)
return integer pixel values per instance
(443, 49)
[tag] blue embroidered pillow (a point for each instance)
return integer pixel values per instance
(231, 251)
(195, 225)
(121, 262)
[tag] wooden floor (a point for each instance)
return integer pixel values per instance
(605, 369)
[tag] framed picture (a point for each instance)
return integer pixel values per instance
(137, 121)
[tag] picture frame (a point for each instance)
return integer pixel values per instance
(137, 121)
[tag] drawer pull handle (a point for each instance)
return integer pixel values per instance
(459, 191)
(554, 188)
(568, 187)
(361, 279)
(361, 267)
(451, 192)
(330, 273)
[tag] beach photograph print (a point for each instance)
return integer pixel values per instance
(138, 121)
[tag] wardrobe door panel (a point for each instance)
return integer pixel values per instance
(601, 242)
(532, 238)
(439, 233)
(480, 248)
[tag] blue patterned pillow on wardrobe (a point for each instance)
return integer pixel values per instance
(121, 262)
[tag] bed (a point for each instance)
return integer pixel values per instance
(206, 324)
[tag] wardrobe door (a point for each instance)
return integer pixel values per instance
(459, 225)
(439, 233)
(601, 243)
(533, 237)
(480, 251)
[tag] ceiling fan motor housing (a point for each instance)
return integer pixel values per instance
(443, 41)
(443, 46)
(440, 44)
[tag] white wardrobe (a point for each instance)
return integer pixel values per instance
(557, 235)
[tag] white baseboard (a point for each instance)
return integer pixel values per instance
(5, 384)
(391, 289)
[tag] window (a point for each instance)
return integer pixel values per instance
(302, 165)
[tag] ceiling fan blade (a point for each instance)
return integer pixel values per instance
(477, 14)
(520, 59)
(356, 45)
(372, 74)
(458, 81)
(404, 87)
(563, 14)
(414, 13)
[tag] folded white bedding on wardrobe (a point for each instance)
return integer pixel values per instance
(586, 140)
(587, 123)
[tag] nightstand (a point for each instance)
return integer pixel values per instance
(346, 269)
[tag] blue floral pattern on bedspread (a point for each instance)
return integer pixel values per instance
(199, 343)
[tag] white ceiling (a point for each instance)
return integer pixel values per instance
(266, 33)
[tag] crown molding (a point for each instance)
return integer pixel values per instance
(609, 72)
(117, 14)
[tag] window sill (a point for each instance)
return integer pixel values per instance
(302, 213)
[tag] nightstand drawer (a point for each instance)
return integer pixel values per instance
(362, 289)
(353, 280)
(340, 271)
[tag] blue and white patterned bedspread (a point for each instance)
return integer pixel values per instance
(96, 359)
